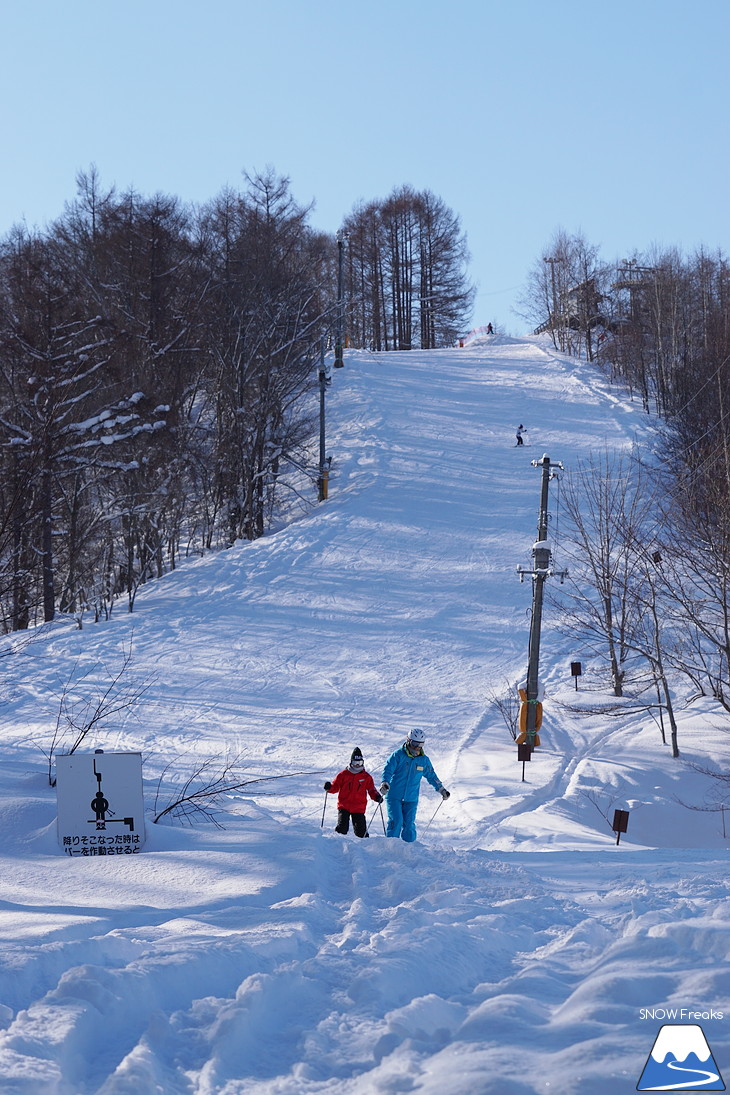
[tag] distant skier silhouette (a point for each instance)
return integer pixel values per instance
(520, 431)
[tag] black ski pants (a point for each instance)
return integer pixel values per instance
(359, 824)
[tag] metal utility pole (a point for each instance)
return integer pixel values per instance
(542, 569)
(554, 317)
(324, 464)
(339, 363)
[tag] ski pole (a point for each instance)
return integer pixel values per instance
(372, 817)
(433, 815)
(379, 806)
(321, 824)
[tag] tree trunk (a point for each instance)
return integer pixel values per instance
(49, 595)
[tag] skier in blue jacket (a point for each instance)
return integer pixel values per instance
(402, 775)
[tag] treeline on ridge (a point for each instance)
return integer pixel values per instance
(650, 551)
(658, 322)
(157, 371)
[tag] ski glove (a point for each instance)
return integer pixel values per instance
(327, 785)
(384, 788)
(378, 798)
(444, 794)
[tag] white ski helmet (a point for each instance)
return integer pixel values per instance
(416, 736)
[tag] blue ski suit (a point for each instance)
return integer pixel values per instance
(403, 773)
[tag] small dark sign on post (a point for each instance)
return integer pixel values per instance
(524, 754)
(576, 669)
(620, 823)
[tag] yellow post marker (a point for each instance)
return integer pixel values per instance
(523, 726)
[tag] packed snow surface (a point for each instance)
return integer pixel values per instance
(514, 948)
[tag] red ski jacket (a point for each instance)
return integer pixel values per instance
(353, 788)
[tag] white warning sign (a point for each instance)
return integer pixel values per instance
(100, 803)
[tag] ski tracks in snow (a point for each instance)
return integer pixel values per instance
(194, 1003)
(382, 967)
(373, 952)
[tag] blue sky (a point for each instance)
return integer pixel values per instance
(524, 115)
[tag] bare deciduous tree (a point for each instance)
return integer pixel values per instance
(81, 713)
(604, 503)
(196, 795)
(406, 273)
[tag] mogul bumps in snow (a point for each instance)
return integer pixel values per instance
(352, 786)
(402, 775)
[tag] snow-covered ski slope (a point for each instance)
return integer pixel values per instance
(514, 949)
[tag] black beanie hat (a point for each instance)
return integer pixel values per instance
(356, 759)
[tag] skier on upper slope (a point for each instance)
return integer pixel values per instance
(402, 775)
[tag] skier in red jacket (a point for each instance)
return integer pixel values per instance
(352, 786)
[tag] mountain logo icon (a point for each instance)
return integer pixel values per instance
(680, 1060)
